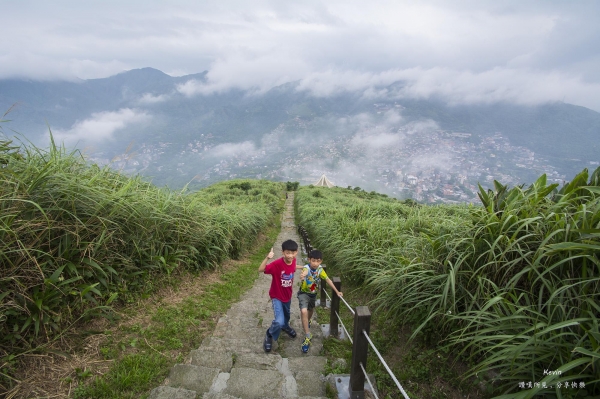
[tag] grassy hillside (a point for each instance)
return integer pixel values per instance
(513, 287)
(75, 237)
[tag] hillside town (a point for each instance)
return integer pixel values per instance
(428, 165)
(440, 167)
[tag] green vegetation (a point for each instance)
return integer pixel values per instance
(292, 186)
(425, 369)
(75, 237)
(140, 350)
(513, 286)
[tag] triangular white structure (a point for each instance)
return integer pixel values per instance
(324, 182)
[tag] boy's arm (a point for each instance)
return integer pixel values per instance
(262, 266)
(330, 283)
(304, 272)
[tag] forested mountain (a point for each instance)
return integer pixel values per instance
(162, 127)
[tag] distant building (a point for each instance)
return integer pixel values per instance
(324, 182)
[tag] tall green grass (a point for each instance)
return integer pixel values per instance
(74, 236)
(512, 285)
(366, 233)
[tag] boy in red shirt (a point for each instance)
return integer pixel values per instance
(282, 271)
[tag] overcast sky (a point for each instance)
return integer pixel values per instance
(526, 52)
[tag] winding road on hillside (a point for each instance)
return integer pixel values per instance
(231, 364)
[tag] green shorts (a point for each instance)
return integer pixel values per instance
(306, 301)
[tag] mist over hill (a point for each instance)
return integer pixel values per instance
(174, 132)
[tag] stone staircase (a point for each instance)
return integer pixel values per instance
(232, 364)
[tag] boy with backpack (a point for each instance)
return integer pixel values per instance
(311, 275)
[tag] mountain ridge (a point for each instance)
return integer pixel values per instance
(567, 135)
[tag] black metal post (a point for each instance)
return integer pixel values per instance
(362, 322)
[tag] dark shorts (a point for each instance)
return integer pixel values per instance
(306, 301)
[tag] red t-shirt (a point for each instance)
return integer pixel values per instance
(283, 278)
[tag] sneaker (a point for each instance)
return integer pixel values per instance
(309, 323)
(306, 344)
(289, 331)
(268, 342)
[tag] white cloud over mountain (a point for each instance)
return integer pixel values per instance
(149, 98)
(101, 126)
(463, 52)
(227, 150)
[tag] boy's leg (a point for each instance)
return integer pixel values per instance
(279, 319)
(275, 329)
(286, 319)
(303, 301)
(309, 315)
(304, 316)
(286, 314)
(311, 309)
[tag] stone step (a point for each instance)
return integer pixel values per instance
(259, 361)
(218, 395)
(238, 331)
(254, 332)
(164, 392)
(193, 378)
(310, 383)
(305, 363)
(223, 361)
(293, 351)
(251, 383)
(236, 345)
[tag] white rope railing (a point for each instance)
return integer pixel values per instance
(368, 380)
(343, 300)
(344, 327)
(385, 365)
(349, 308)
(372, 346)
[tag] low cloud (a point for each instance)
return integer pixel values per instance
(377, 141)
(438, 158)
(368, 139)
(101, 126)
(25, 64)
(259, 74)
(423, 126)
(375, 132)
(148, 99)
(462, 51)
(191, 88)
(513, 85)
(523, 86)
(228, 150)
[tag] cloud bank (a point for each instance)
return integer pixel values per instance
(464, 52)
(101, 126)
(228, 150)
(148, 99)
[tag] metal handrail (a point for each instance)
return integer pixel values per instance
(343, 300)
(372, 346)
(368, 380)
(349, 308)
(385, 365)
(344, 327)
